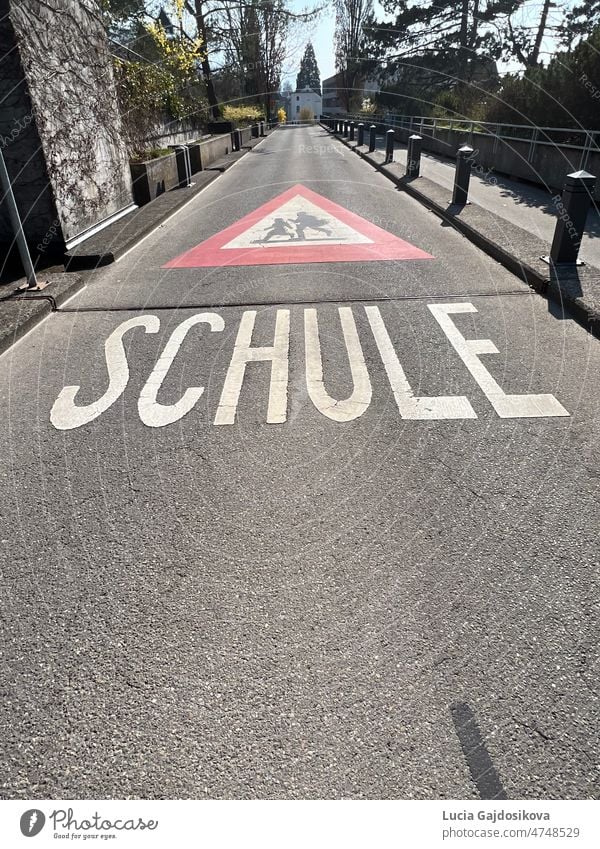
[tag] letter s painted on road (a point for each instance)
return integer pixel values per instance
(66, 415)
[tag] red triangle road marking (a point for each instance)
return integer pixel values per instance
(321, 231)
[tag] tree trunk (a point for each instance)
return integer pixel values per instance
(537, 46)
(463, 50)
(215, 109)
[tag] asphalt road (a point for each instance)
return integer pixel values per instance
(291, 605)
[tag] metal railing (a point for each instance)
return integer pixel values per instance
(586, 141)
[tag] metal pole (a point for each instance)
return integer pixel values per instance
(351, 130)
(346, 129)
(572, 209)
(361, 134)
(17, 227)
(413, 156)
(372, 132)
(389, 146)
(462, 175)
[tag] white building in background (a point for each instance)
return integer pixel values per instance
(305, 98)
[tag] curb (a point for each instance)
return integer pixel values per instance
(21, 313)
(557, 285)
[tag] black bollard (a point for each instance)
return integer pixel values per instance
(413, 155)
(346, 129)
(372, 132)
(389, 146)
(572, 209)
(351, 131)
(237, 139)
(462, 175)
(361, 135)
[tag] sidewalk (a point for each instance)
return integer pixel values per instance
(511, 221)
(525, 205)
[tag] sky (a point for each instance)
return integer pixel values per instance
(321, 33)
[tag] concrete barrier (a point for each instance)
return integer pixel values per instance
(204, 153)
(153, 177)
(245, 135)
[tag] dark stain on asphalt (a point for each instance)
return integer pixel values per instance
(476, 755)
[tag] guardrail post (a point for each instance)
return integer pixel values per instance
(351, 131)
(389, 146)
(532, 144)
(413, 155)
(361, 135)
(572, 209)
(372, 136)
(462, 175)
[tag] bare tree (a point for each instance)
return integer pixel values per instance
(350, 18)
(526, 39)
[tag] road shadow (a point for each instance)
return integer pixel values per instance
(566, 279)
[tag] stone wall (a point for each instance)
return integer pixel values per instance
(21, 148)
(68, 163)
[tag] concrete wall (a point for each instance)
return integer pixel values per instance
(548, 165)
(245, 135)
(174, 132)
(215, 148)
(69, 165)
(152, 178)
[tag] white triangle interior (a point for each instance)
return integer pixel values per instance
(298, 222)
